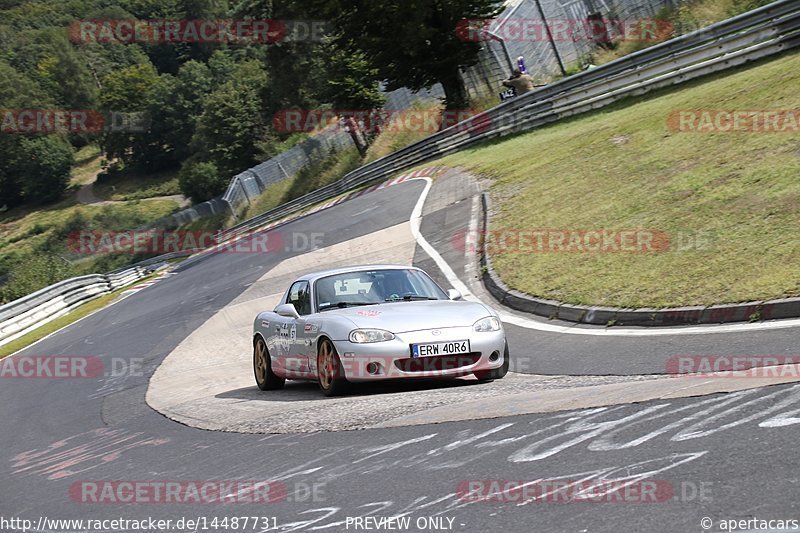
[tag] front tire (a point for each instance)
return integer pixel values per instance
(497, 373)
(329, 370)
(262, 368)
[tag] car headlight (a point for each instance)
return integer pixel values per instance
(364, 336)
(489, 323)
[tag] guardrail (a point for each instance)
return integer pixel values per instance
(24, 315)
(748, 37)
(30, 312)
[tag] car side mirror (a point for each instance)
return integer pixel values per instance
(287, 310)
(454, 294)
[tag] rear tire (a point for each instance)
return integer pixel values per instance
(497, 373)
(262, 368)
(329, 370)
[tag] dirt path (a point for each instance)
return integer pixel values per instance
(86, 196)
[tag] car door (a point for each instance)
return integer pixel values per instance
(295, 338)
(279, 327)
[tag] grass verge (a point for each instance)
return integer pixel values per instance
(623, 168)
(35, 246)
(686, 17)
(398, 137)
(313, 177)
(23, 232)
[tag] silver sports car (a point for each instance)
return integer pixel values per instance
(372, 323)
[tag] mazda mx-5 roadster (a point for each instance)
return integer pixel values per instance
(374, 323)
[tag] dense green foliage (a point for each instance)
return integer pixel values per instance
(414, 43)
(207, 105)
(34, 273)
(51, 253)
(199, 106)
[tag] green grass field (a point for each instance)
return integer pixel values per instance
(35, 232)
(87, 165)
(22, 231)
(622, 167)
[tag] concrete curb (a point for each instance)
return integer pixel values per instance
(607, 316)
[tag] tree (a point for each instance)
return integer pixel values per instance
(71, 76)
(414, 43)
(175, 105)
(350, 80)
(350, 85)
(36, 169)
(45, 163)
(17, 91)
(231, 122)
(10, 180)
(202, 181)
(128, 90)
(184, 105)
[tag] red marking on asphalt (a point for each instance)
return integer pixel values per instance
(87, 451)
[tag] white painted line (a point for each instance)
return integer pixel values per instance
(517, 320)
(471, 241)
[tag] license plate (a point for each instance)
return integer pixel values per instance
(440, 348)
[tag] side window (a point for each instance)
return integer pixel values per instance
(300, 298)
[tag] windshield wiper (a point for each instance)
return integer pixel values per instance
(410, 298)
(344, 305)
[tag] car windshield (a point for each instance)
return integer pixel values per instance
(375, 287)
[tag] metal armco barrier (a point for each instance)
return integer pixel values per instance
(22, 316)
(751, 36)
(28, 313)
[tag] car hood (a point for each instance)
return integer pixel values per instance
(401, 317)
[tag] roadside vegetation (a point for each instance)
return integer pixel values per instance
(35, 246)
(623, 168)
(122, 187)
(685, 17)
(393, 140)
(88, 164)
(310, 178)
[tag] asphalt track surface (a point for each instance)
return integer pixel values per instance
(727, 456)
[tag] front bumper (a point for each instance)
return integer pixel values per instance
(393, 360)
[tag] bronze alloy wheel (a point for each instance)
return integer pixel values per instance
(262, 367)
(329, 370)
